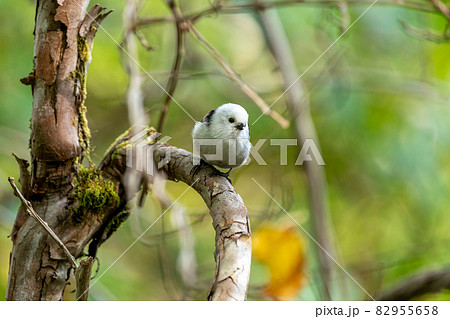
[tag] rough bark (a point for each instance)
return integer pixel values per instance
(230, 221)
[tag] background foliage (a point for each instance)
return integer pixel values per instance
(380, 100)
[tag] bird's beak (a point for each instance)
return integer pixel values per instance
(240, 126)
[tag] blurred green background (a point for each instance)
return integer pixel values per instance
(380, 99)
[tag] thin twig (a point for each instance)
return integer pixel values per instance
(173, 79)
(44, 224)
(243, 85)
(143, 41)
(423, 34)
(442, 7)
(153, 20)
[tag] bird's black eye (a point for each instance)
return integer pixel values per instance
(231, 120)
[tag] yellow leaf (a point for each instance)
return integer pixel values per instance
(282, 251)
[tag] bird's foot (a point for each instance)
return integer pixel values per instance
(196, 168)
(226, 175)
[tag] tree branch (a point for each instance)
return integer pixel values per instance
(173, 79)
(228, 212)
(442, 7)
(424, 34)
(419, 285)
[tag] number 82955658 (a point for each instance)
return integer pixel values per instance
(406, 310)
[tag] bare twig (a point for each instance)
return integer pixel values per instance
(150, 21)
(442, 7)
(83, 278)
(143, 41)
(418, 285)
(173, 79)
(243, 85)
(38, 218)
(424, 34)
(166, 271)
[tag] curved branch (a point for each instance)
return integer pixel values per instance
(230, 221)
(228, 212)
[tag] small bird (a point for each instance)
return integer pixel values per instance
(223, 131)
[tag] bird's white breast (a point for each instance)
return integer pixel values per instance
(234, 150)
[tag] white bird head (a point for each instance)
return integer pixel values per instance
(229, 125)
(232, 119)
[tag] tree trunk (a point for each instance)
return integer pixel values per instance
(39, 269)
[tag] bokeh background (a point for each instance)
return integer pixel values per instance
(380, 99)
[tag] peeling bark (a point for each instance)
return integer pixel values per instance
(54, 116)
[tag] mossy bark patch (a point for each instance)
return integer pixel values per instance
(94, 193)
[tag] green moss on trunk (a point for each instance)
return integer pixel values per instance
(94, 193)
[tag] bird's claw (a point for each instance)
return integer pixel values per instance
(226, 175)
(196, 168)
